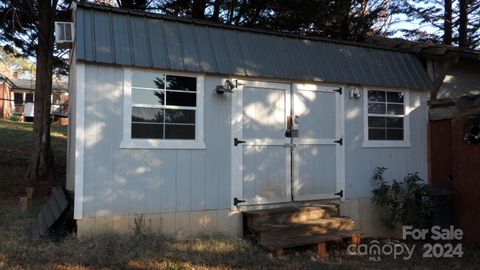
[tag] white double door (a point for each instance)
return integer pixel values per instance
(268, 166)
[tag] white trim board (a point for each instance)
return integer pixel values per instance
(79, 139)
(128, 142)
(406, 123)
(236, 127)
(237, 151)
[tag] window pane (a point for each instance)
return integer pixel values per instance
(181, 99)
(395, 134)
(147, 131)
(148, 80)
(376, 134)
(180, 116)
(377, 108)
(181, 132)
(29, 98)
(395, 122)
(148, 97)
(18, 98)
(396, 109)
(147, 115)
(181, 83)
(376, 96)
(376, 121)
(395, 97)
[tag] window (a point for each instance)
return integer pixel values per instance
(29, 97)
(386, 119)
(165, 110)
(18, 99)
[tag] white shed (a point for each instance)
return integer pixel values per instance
(300, 120)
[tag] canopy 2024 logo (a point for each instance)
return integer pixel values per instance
(374, 249)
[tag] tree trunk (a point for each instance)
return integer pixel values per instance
(216, 10)
(198, 10)
(462, 29)
(447, 23)
(41, 166)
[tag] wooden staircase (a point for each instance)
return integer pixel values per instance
(276, 229)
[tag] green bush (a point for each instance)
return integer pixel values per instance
(15, 117)
(405, 200)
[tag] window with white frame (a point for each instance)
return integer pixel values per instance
(164, 110)
(386, 115)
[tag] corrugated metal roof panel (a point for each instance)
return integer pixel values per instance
(123, 54)
(126, 38)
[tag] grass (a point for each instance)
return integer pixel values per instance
(135, 251)
(15, 145)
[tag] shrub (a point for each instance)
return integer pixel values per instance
(405, 200)
(15, 117)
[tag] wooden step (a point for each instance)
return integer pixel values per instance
(290, 215)
(294, 240)
(335, 223)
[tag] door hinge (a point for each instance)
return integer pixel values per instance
(236, 141)
(340, 193)
(339, 90)
(339, 141)
(236, 201)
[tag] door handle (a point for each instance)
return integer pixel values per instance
(236, 141)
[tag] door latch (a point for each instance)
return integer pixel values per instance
(236, 141)
(236, 201)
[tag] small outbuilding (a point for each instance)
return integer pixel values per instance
(187, 123)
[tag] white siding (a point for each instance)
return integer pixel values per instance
(130, 181)
(361, 162)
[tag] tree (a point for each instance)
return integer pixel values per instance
(29, 26)
(12, 61)
(447, 23)
(455, 22)
(340, 19)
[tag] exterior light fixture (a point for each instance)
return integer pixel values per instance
(227, 87)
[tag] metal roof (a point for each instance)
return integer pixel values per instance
(26, 84)
(114, 36)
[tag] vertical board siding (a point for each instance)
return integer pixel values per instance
(361, 162)
(141, 181)
(137, 181)
(104, 129)
(89, 194)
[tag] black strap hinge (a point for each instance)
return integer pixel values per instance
(236, 201)
(339, 90)
(340, 193)
(339, 141)
(236, 141)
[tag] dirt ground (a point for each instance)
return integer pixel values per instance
(144, 250)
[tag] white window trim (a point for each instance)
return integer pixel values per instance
(128, 142)
(406, 124)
